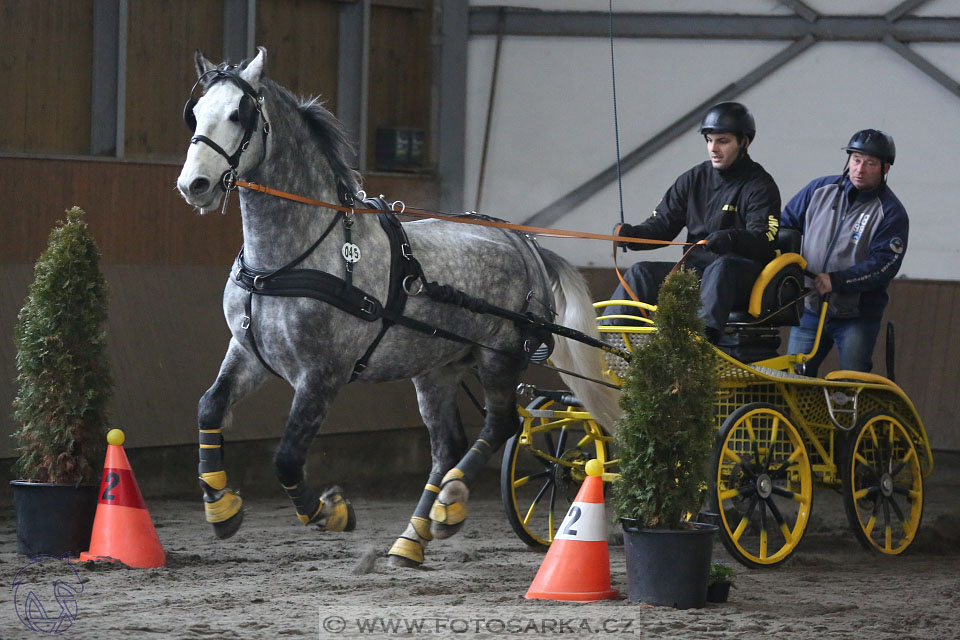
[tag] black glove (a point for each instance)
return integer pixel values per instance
(627, 231)
(721, 242)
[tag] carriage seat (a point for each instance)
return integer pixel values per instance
(776, 300)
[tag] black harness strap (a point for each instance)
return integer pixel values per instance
(341, 293)
(534, 323)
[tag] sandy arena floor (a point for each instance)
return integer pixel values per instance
(278, 579)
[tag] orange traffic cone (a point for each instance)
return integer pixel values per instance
(577, 564)
(122, 528)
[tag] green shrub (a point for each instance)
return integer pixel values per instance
(63, 377)
(667, 428)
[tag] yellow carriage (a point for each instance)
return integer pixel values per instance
(780, 436)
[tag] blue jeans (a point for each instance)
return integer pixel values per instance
(854, 338)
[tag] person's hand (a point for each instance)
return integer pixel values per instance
(823, 284)
(627, 231)
(721, 242)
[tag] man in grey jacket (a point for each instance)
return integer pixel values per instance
(854, 238)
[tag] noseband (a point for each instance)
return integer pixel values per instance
(249, 111)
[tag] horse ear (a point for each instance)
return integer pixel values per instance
(203, 65)
(254, 69)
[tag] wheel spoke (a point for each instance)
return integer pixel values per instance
(561, 441)
(774, 511)
(536, 500)
(745, 519)
(896, 510)
(553, 501)
(519, 482)
(887, 527)
(773, 440)
(786, 493)
(727, 453)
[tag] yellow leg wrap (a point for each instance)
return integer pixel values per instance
(409, 549)
(453, 474)
(216, 480)
(227, 506)
(449, 514)
(422, 527)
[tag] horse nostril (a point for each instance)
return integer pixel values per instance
(199, 186)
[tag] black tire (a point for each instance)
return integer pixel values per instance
(882, 485)
(760, 471)
(543, 468)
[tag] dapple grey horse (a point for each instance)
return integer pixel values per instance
(248, 127)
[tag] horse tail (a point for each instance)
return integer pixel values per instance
(575, 310)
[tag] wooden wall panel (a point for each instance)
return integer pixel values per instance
(46, 103)
(401, 63)
(162, 39)
(302, 41)
(135, 212)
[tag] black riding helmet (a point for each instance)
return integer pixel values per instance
(729, 117)
(873, 142)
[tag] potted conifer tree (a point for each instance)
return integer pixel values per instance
(63, 386)
(664, 438)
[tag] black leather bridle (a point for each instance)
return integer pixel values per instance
(249, 112)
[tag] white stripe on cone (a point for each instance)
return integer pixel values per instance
(584, 522)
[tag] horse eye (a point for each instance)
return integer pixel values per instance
(235, 115)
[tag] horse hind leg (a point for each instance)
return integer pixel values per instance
(239, 375)
(329, 511)
(499, 375)
(437, 397)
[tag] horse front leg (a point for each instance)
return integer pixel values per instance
(499, 376)
(437, 399)
(329, 511)
(240, 374)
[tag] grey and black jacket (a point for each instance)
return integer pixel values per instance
(859, 238)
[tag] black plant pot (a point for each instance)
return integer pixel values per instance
(668, 568)
(54, 519)
(718, 592)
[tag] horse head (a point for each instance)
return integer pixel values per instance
(225, 111)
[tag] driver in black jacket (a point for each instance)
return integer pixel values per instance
(729, 201)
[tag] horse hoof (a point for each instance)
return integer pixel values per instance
(337, 513)
(224, 510)
(405, 553)
(449, 510)
(228, 527)
(403, 563)
(443, 531)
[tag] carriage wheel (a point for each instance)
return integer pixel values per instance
(882, 485)
(761, 485)
(543, 468)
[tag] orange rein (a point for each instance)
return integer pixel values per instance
(543, 231)
(422, 213)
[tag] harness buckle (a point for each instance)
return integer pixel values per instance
(368, 306)
(258, 282)
(358, 369)
(406, 251)
(245, 323)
